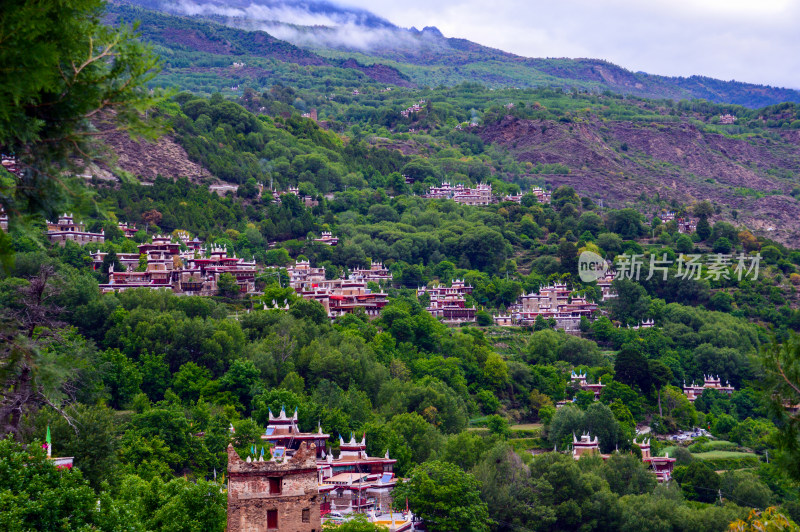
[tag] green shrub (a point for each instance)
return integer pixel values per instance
(523, 445)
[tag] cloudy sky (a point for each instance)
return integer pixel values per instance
(757, 41)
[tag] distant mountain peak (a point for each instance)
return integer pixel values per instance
(317, 25)
(427, 30)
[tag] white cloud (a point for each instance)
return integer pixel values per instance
(747, 40)
(280, 18)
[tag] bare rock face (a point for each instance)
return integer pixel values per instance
(379, 72)
(145, 160)
(618, 161)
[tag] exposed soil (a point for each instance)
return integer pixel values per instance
(617, 161)
(379, 72)
(146, 160)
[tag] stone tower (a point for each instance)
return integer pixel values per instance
(273, 495)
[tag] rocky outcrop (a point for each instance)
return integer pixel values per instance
(146, 160)
(617, 161)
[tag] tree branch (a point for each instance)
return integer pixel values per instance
(63, 414)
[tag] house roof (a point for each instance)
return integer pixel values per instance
(346, 478)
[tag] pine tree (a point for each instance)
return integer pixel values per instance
(703, 228)
(64, 75)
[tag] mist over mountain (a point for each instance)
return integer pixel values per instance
(428, 58)
(304, 12)
(310, 24)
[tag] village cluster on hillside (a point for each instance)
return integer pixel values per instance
(188, 266)
(479, 195)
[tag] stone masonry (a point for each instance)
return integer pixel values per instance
(274, 496)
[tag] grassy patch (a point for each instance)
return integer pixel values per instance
(720, 445)
(526, 426)
(520, 445)
(713, 455)
(728, 460)
(527, 430)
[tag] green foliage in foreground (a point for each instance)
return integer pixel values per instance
(151, 382)
(445, 497)
(62, 68)
(35, 495)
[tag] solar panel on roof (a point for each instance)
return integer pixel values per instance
(270, 430)
(387, 477)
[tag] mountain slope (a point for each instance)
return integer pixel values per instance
(427, 57)
(201, 48)
(622, 162)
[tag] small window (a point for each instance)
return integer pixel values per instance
(272, 518)
(306, 515)
(275, 485)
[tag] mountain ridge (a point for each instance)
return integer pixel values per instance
(426, 57)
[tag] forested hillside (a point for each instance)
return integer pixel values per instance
(424, 57)
(272, 154)
(648, 154)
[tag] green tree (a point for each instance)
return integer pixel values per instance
(192, 381)
(564, 195)
(567, 420)
(611, 243)
(543, 346)
(679, 411)
(156, 377)
(627, 475)
(745, 488)
(178, 505)
(703, 229)
(89, 434)
(121, 377)
(313, 310)
(495, 371)
(243, 380)
(228, 286)
(598, 420)
(40, 361)
(111, 261)
(63, 71)
(782, 387)
(419, 169)
(631, 368)
(632, 303)
(684, 244)
(699, 482)
(512, 498)
(660, 376)
(483, 318)
(568, 257)
(419, 435)
(591, 222)
(35, 495)
(465, 449)
(498, 425)
(722, 301)
(722, 245)
(616, 391)
(704, 209)
(445, 497)
(626, 223)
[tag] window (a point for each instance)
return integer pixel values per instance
(306, 515)
(272, 518)
(275, 485)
